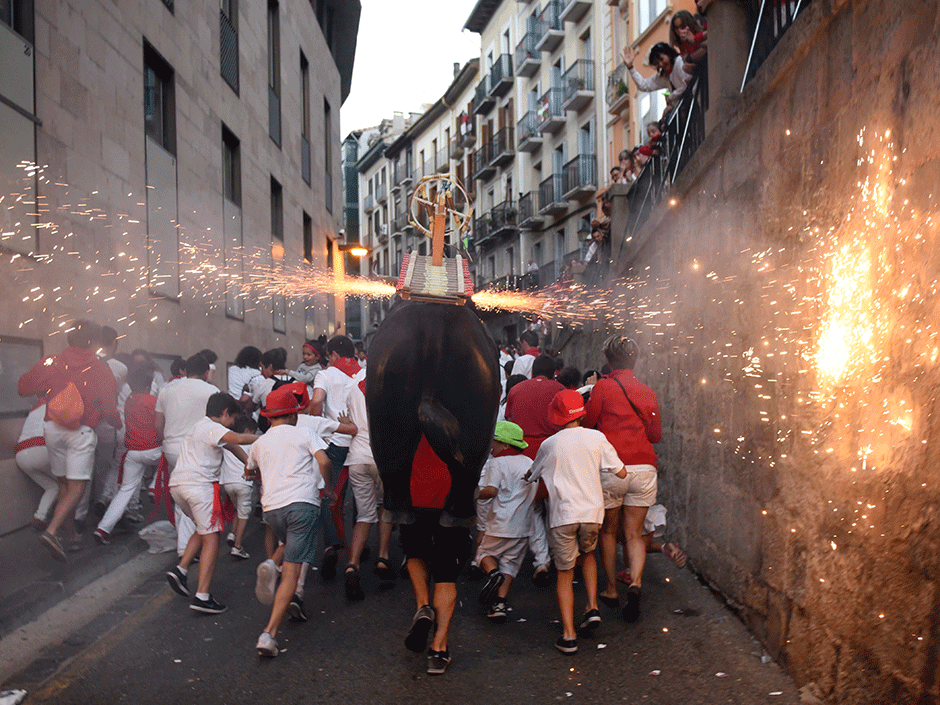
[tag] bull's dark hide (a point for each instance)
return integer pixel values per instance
(433, 370)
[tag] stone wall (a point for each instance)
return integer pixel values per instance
(786, 310)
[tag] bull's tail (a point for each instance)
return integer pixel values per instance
(442, 430)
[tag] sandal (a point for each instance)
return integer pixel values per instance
(624, 577)
(353, 588)
(675, 554)
(613, 602)
(384, 570)
(54, 546)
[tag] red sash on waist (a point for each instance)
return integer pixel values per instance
(29, 443)
(161, 491)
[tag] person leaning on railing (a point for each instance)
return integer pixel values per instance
(688, 37)
(671, 72)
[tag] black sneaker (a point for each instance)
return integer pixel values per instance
(328, 566)
(353, 588)
(493, 581)
(417, 639)
(177, 581)
(210, 606)
(497, 613)
(295, 610)
(631, 610)
(476, 572)
(589, 622)
(437, 662)
(567, 646)
(541, 578)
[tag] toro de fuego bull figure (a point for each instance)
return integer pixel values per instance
(432, 387)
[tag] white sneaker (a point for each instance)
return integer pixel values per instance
(239, 552)
(267, 582)
(230, 539)
(266, 645)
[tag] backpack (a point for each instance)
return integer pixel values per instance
(67, 408)
(263, 423)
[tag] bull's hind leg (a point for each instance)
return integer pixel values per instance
(442, 429)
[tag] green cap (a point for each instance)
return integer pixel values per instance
(509, 433)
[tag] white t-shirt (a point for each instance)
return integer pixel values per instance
(289, 471)
(233, 469)
(259, 387)
(320, 425)
(337, 385)
(523, 365)
(510, 514)
(200, 459)
(118, 369)
(571, 463)
(238, 377)
(360, 450)
(33, 426)
(182, 403)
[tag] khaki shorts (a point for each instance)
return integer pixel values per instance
(195, 501)
(367, 491)
(641, 491)
(71, 453)
(240, 494)
(569, 541)
(508, 553)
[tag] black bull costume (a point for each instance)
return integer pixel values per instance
(433, 374)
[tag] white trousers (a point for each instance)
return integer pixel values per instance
(135, 465)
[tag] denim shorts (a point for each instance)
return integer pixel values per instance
(296, 526)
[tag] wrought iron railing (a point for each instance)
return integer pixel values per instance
(502, 144)
(525, 50)
(528, 206)
(228, 51)
(502, 69)
(550, 106)
(443, 158)
(769, 20)
(528, 127)
(578, 77)
(481, 160)
(550, 18)
(581, 172)
(274, 116)
(504, 216)
(305, 159)
(552, 190)
(618, 86)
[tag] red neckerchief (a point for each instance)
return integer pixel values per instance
(347, 365)
(534, 352)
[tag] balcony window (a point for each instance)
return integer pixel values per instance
(228, 42)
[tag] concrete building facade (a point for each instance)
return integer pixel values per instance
(180, 147)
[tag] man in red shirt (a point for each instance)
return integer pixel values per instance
(627, 412)
(527, 405)
(72, 446)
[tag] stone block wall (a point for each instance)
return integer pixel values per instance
(788, 322)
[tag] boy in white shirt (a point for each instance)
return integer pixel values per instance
(571, 462)
(194, 486)
(238, 489)
(293, 467)
(509, 519)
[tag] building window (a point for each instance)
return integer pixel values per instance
(308, 238)
(274, 72)
(328, 154)
(649, 10)
(159, 102)
(228, 42)
(19, 16)
(305, 118)
(231, 167)
(279, 303)
(169, 4)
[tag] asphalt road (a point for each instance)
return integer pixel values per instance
(149, 647)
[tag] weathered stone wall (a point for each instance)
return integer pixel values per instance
(788, 321)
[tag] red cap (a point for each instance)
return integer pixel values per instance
(287, 399)
(567, 406)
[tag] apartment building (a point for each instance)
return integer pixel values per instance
(182, 145)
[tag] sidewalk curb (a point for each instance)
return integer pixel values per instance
(27, 603)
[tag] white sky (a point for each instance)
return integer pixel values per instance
(405, 55)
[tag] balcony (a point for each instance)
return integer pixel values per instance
(579, 85)
(429, 167)
(456, 147)
(529, 217)
(381, 193)
(551, 28)
(484, 100)
(528, 58)
(396, 177)
(550, 113)
(618, 89)
(552, 194)
(443, 159)
(368, 203)
(574, 10)
(400, 224)
(581, 177)
(501, 78)
(383, 234)
(481, 230)
(482, 168)
(502, 147)
(510, 282)
(530, 139)
(504, 219)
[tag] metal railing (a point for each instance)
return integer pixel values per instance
(552, 190)
(368, 203)
(511, 282)
(504, 216)
(578, 77)
(528, 127)
(228, 51)
(526, 51)
(305, 159)
(501, 70)
(443, 158)
(481, 229)
(528, 206)
(682, 135)
(274, 116)
(550, 18)
(769, 20)
(550, 106)
(502, 145)
(481, 160)
(381, 193)
(618, 87)
(581, 172)
(482, 101)
(465, 128)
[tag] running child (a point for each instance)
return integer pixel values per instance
(571, 463)
(238, 489)
(194, 486)
(510, 516)
(293, 467)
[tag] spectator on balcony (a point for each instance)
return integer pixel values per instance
(687, 35)
(643, 155)
(654, 133)
(628, 169)
(598, 257)
(601, 196)
(700, 16)
(671, 72)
